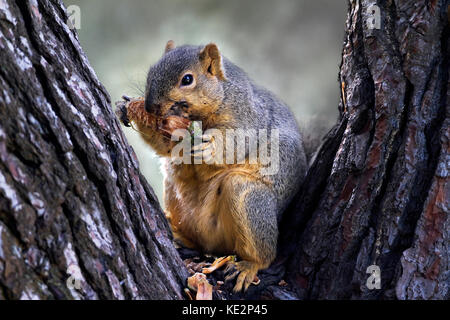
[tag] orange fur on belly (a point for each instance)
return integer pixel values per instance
(200, 205)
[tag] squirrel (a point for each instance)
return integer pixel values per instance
(214, 207)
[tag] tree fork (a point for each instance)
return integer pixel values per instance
(73, 200)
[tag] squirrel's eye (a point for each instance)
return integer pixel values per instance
(187, 80)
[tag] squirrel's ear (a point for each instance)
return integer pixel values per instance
(170, 45)
(211, 61)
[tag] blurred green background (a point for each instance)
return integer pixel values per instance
(292, 47)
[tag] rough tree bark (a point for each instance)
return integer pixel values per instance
(72, 199)
(376, 194)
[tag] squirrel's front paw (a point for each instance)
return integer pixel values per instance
(205, 151)
(121, 111)
(247, 275)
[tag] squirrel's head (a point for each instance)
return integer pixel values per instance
(186, 76)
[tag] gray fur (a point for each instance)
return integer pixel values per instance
(164, 74)
(260, 109)
(253, 107)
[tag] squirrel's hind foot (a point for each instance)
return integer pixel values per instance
(247, 275)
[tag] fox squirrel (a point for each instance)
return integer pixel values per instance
(218, 208)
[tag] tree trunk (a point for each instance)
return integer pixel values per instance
(378, 192)
(72, 199)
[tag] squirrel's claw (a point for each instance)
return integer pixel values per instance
(231, 271)
(204, 151)
(231, 276)
(247, 275)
